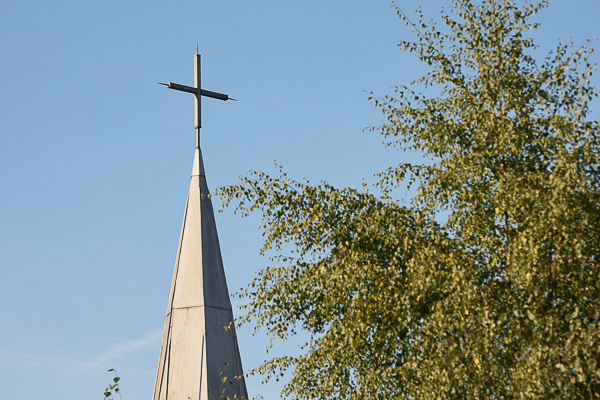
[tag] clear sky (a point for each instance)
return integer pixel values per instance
(95, 157)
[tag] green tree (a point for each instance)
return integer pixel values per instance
(497, 298)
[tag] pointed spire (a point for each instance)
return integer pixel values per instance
(197, 351)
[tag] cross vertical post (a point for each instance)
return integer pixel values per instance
(198, 98)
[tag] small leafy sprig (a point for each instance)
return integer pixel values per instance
(114, 388)
(227, 382)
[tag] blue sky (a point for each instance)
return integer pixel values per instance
(95, 157)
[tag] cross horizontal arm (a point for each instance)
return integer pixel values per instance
(181, 88)
(189, 89)
(214, 95)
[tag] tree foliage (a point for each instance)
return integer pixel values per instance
(487, 284)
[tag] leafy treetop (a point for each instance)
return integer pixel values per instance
(500, 300)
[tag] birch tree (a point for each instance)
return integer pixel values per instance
(486, 284)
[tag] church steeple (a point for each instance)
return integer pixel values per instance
(197, 351)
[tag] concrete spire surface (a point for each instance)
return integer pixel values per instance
(197, 350)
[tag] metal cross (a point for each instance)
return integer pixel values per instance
(198, 92)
